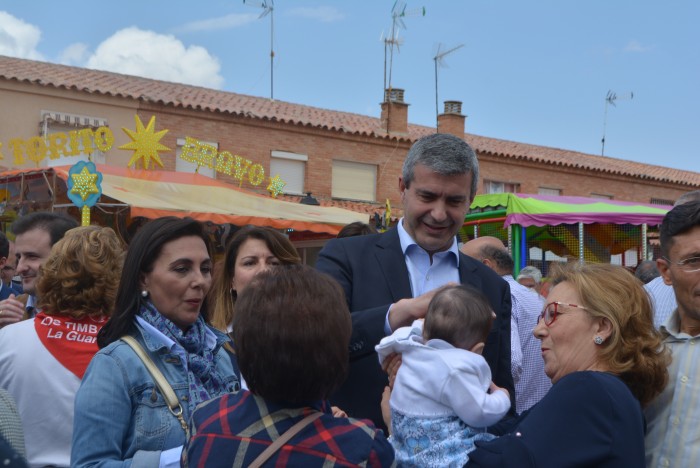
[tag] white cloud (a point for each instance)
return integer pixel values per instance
(74, 54)
(634, 46)
(18, 38)
(133, 51)
(231, 21)
(325, 14)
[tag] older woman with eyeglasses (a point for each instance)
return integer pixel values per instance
(606, 362)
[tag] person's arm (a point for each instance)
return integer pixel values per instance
(382, 453)
(466, 395)
(103, 419)
(574, 424)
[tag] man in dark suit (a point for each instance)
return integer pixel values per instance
(390, 278)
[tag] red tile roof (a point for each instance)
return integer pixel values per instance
(194, 97)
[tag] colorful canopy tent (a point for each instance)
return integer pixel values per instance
(152, 194)
(561, 228)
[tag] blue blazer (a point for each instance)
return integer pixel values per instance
(6, 290)
(586, 419)
(372, 271)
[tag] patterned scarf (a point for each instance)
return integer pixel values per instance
(205, 382)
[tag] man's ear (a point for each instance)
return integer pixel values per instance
(3, 261)
(402, 187)
(663, 266)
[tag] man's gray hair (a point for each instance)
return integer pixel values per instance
(442, 153)
(531, 272)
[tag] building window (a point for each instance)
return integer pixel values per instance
(191, 167)
(662, 201)
(354, 181)
(53, 122)
(493, 186)
(291, 167)
(549, 191)
(601, 196)
(309, 250)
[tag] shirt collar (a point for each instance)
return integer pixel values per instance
(672, 327)
(407, 241)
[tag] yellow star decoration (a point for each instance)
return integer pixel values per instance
(84, 184)
(276, 186)
(145, 143)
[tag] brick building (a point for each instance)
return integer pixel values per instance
(343, 159)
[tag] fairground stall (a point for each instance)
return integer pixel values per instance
(539, 229)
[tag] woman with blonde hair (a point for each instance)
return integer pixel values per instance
(42, 361)
(252, 249)
(606, 362)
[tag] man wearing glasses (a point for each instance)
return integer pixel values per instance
(672, 431)
(663, 300)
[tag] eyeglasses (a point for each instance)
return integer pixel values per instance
(689, 265)
(551, 311)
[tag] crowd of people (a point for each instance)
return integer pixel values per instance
(399, 348)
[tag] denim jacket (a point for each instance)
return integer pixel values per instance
(120, 417)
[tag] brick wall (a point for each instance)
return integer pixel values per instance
(255, 139)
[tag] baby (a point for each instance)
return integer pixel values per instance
(443, 396)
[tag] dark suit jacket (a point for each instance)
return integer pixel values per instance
(373, 273)
(6, 290)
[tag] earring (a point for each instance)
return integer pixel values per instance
(144, 294)
(598, 340)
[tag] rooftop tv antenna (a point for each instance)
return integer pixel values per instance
(610, 99)
(398, 13)
(440, 62)
(268, 7)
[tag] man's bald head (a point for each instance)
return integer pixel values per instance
(474, 247)
(491, 252)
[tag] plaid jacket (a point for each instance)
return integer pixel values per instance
(234, 429)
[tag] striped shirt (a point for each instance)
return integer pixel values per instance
(533, 383)
(673, 432)
(663, 300)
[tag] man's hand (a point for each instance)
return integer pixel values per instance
(386, 408)
(405, 311)
(11, 311)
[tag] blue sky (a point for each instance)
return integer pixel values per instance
(533, 72)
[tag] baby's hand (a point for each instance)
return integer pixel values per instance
(493, 387)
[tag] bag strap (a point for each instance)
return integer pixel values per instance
(281, 440)
(161, 382)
